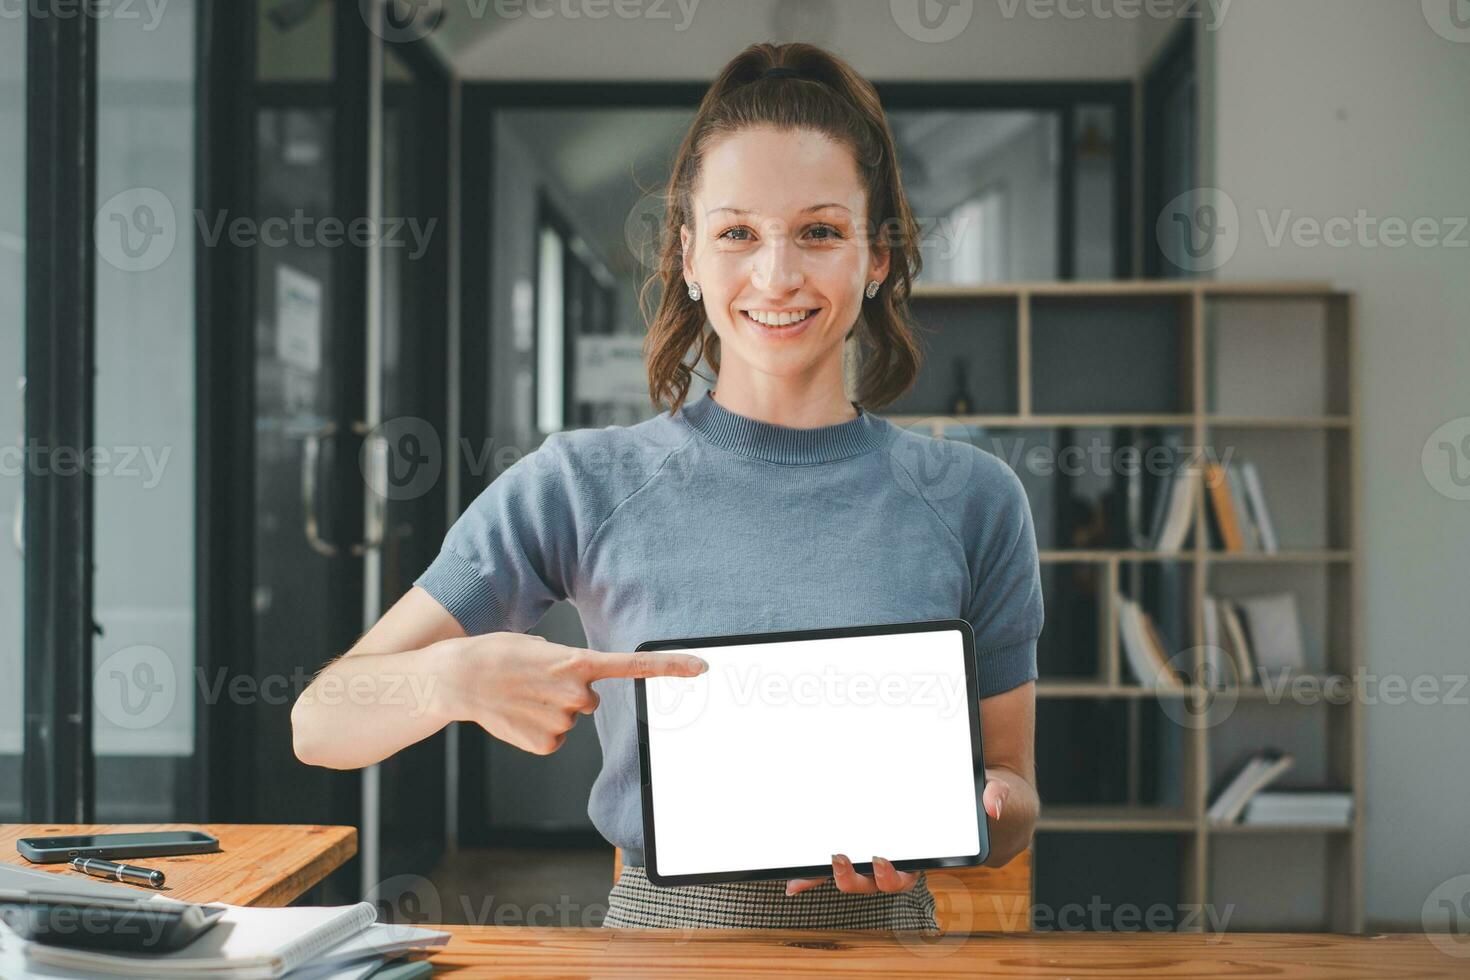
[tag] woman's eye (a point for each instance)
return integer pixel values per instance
(832, 234)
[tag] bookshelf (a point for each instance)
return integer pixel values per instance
(1262, 369)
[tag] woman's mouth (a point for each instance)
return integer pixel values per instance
(778, 325)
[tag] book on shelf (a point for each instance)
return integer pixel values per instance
(1256, 500)
(1275, 631)
(1239, 518)
(1144, 647)
(1219, 666)
(1252, 776)
(1227, 642)
(1224, 518)
(1298, 807)
(1250, 535)
(1142, 502)
(1174, 510)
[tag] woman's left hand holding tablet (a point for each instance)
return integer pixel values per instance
(885, 878)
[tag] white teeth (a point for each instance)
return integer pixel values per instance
(777, 319)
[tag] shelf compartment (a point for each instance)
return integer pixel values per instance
(1128, 354)
(1306, 480)
(1091, 488)
(1277, 356)
(1304, 731)
(1108, 881)
(978, 336)
(1111, 757)
(1324, 602)
(1246, 872)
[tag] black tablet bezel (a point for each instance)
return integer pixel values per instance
(977, 754)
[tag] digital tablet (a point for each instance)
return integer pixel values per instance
(794, 746)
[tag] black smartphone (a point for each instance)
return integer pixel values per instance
(115, 925)
(153, 843)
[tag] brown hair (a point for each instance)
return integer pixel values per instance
(829, 97)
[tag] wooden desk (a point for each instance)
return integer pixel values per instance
(258, 864)
(523, 951)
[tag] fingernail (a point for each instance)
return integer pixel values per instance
(789, 888)
(997, 808)
(839, 861)
(697, 664)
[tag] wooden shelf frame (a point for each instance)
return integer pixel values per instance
(1196, 300)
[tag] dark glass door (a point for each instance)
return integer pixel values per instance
(350, 401)
(305, 579)
(305, 571)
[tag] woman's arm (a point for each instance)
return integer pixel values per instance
(385, 693)
(1008, 736)
(416, 671)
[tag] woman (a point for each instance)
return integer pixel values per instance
(773, 502)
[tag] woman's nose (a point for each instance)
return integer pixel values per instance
(777, 266)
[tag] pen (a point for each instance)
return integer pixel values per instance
(131, 873)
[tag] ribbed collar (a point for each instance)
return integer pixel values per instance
(780, 443)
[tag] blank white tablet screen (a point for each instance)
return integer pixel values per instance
(785, 753)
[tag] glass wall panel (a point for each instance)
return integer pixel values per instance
(146, 235)
(12, 364)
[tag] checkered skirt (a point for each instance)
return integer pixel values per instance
(635, 902)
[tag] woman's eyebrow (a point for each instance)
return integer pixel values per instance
(806, 210)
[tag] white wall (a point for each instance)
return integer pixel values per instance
(1324, 108)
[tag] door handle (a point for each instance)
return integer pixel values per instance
(377, 509)
(311, 458)
(377, 503)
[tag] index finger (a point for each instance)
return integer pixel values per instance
(643, 663)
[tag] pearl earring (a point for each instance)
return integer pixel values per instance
(872, 289)
(694, 292)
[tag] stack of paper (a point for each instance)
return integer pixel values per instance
(335, 943)
(1322, 807)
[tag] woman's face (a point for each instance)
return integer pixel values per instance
(780, 230)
